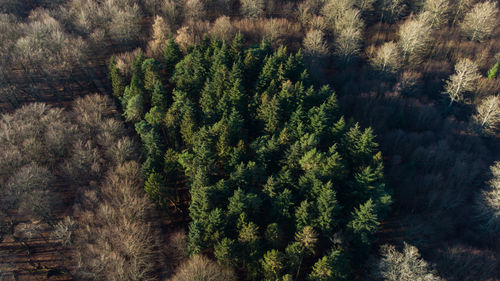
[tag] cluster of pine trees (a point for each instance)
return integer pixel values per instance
(282, 186)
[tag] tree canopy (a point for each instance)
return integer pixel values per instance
(273, 168)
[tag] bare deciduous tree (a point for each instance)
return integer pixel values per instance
(201, 268)
(223, 28)
(392, 10)
(90, 111)
(479, 23)
(194, 10)
(63, 231)
(275, 30)
(438, 10)
(314, 43)
(386, 57)
(45, 48)
(125, 23)
(28, 190)
(9, 31)
(488, 113)
(460, 8)
(115, 240)
(85, 164)
(123, 150)
(252, 8)
(10, 6)
(85, 15)
(348, 43)
(333, 10)
(462, 81)
(345, 22)
(40, 133)
(157, 44)
(152, 7)
(410, 82)
(318, 23)
(403, 266)
(191, 34)
(170, 11)
(414, 38)
(177, 251)
(364, 5)
(350, 19)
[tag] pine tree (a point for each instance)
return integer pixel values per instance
(170, 164)
(172, 56)
(156, 187)
(308, 238)
(134, 111)
(304, 215)
(242, 202)
(154, 116)
(195, 241)
(159, 97)
(248, 231)
(294, 253)
(225, 252)
(273, 264)
(332, 267)
(136, 67)
(364, 223)
(237, 47)
(134, 89)
(328, 209)
(190, 74)
(152, 164)
(360, 144)
(215, 227)
(151, 69)
(269, 113)
(151, 138)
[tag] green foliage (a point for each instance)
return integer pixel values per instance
(492, 73)
(225, 252)
(272, 167)
(151, 70)
(332, 267)
(273, 264)
(134, 111)
(155, 187)
(159, 97)
(195, 242)
(307, 239)
(172, 56)
(364, 223)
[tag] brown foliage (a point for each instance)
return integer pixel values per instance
(282, 29)
(39, 132)
(176, 250)
(223, 28)
(161, 31)
(191, 34)
(115, 239)
(201, 268)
